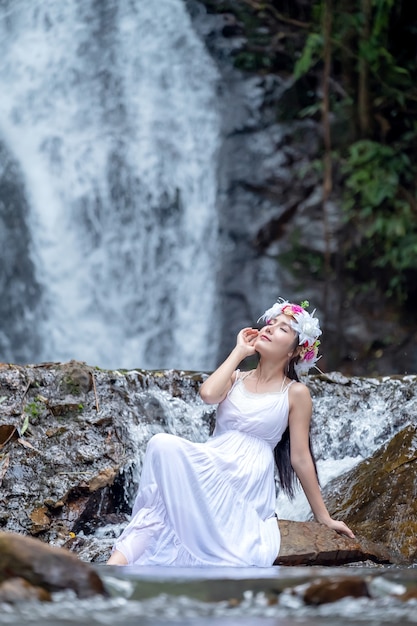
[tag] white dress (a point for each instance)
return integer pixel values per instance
(212, 503)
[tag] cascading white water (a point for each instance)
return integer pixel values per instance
(349, 427)
(109, 109)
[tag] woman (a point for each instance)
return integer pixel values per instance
(213, 503)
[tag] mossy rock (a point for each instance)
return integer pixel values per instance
(377, 497)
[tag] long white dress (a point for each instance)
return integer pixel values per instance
(212, 503)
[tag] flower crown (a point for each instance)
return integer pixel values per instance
(305, 325)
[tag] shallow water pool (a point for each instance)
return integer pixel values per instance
(224, 597)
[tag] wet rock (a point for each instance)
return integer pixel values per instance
(44, 566)
(40, 519)
(71, 476)
(331, 590)
(410, 594)
(17, 590)
(104, 478)
(67, 463)
(311, 543)
(377, 497)
(76, 378)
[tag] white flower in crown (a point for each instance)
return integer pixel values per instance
(307, 327)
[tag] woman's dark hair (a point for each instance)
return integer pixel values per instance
(287, 478)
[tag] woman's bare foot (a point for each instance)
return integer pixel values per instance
(117, 558)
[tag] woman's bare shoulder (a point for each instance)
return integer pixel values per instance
(299, 390)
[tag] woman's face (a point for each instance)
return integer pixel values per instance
(277, 335)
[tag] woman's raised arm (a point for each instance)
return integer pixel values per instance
(215, 387)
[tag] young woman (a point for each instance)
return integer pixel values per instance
(213, 503)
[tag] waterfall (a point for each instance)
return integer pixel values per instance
(109, 112)
(350, 422)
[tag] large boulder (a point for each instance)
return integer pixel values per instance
(377, 498)
(45, 567)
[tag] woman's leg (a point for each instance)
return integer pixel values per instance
(148, 514)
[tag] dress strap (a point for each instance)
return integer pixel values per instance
(241, 375)
(289, 385)
(237, 378)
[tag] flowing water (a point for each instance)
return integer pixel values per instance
(179, 597)
(109, 112)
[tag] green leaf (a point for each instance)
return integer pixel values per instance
(24, 425)
(312, 52)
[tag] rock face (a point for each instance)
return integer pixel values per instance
(18, 276)
(274, 229)
(378, 497)
(72, 438)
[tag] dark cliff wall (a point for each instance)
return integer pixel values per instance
(275, 229)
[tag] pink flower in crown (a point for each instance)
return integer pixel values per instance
(292, 309)
(310, 355)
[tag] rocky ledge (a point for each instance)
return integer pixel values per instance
(72, 439)
(311, 543)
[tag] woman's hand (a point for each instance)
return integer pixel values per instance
(246, 340)
(340, 527)
(216, 386)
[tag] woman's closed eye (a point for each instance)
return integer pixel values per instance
(286, 328)
(283, 327)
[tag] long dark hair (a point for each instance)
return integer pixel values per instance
(287, 477)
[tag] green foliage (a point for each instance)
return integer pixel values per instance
(32, 412)
(376, 78)
(373, 105)
(377, 205)
(373, 173)
(251, 61)
(34, 409)
(24, 425)
(390, 82)
(311, 54)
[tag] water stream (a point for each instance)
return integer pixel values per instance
(169, 602)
